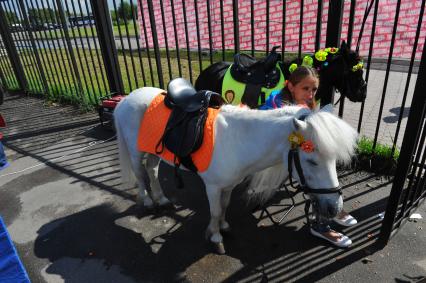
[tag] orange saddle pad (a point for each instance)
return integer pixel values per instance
(152, 127)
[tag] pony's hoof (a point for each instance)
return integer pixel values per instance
(219, 248)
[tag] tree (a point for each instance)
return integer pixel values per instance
(42, 16)
(124, 11)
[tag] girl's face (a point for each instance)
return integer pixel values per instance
(304, 91)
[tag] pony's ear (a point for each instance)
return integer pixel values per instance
(328, 108)
(299, 125)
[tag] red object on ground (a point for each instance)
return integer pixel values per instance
(112, 102)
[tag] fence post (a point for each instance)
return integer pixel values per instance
(107, 43)
(411, 137)
(334, 29)
(155, 42)
(12, 52)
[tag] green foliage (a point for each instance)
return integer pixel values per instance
(124, 11)
(42, 16)
(379, 159)
(11, 17)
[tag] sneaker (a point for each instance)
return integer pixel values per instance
(345, 219)
(342, 242)
(5, 165)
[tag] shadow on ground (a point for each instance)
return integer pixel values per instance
(119, 238)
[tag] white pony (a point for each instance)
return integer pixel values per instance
(246, 141)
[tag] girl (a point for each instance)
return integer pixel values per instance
(300, 89)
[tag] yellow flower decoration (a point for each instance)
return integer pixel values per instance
(292, 67)
(358, 66)
(321, 55)
(295, 139)
(307, 61)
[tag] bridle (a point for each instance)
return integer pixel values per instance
(293, 157)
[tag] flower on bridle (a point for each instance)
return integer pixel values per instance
(321, 55)
(307, 61)
(292, 67)
(296, 139)
(358, 66)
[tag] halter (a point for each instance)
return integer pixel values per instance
(293, 156)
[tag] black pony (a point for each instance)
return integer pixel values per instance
(337, 67)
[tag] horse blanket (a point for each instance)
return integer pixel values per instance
(154, 123)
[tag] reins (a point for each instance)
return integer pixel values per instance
(293, 157)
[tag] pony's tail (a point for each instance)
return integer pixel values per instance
(265, 183)
(124, 156)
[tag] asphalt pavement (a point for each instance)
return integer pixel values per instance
(72, 220)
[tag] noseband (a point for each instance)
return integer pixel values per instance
(293, 156)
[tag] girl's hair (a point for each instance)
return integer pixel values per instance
(296, 77)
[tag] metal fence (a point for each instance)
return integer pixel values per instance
(79, 51)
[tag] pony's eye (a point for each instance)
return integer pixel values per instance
(312, 162)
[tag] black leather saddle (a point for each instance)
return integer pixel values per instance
(185, 128)
(256, 74)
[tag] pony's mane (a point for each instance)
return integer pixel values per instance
(292, 110)
(332, 137)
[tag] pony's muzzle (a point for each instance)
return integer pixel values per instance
(328, 206)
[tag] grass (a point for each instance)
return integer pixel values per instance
(140, 71)
(86, 31)
(379, 160)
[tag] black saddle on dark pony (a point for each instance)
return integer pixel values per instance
(185, 128)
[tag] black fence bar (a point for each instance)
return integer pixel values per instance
(222, 29)
(210, 32)
(236, 25)
(165, 40)
(132, 60)
(410, 70)
(188, 52)
(155, 40)
(283, 29)
(101, 69)
(7, 70)
(412, 174)
(134, 16)
(334, 29)
(370, 55)
(176, 38)
(197, 28)
(50, 63)
(385, 84)
(123, 51)
(299, 49)
(106, 41)
(252, 26)
(318, 25)
(35, 49)
(66, 69)
(79, 50)
(23, 51)
(268, 28)
(411, 136)
(349, 42)
(148, 53)
(12, 52)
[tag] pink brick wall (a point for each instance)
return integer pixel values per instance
(407, 24)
